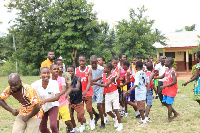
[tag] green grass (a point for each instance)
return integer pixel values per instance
(188, 122)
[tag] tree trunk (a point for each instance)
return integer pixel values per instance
(74, 53)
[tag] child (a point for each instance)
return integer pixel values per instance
(155, 81)
(63, 102)
(129, 81)
(197, 79)
(101, 60)
(169, 88)
(76, 101)
(133, 68)
(111, 100)
(145, 65)
(97, 90)
(140, 90)
(149, 91)
(85, 73)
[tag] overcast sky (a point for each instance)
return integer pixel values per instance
(169, 15)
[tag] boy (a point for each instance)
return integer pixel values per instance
(63, 102)
(111, 97)
(97, 97)
(101, 60)
(30, 113)
(129, 81)
(76, 101)
(85, 73)
(133, 67)
(140, 90)
(169, 88)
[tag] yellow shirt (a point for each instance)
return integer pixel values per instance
(47, 63)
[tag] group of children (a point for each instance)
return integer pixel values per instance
(113, 86)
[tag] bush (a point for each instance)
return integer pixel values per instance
(193, 69)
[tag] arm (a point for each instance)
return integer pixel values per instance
(63, 90)
(95, 80)
(170, 84)
(15, 112)
(69, 88)
(77, 85)
(88, 84)
(160, 77)
(53, 99)
(196, 75)
(107, 84)
(129, 91)
(118, 74)
(35, 110)
(127, 81)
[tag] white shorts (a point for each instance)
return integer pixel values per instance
(112, 99)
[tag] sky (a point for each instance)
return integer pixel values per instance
(169, 15)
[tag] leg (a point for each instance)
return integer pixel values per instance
(69, 125)
(103, 107)
(43, 125)
(19, 125)
(94, 112)
(88, 102)
(169, 107)
(65, 114)
(118, 115)
(33, 125)
(132, 104)
(79, 108)
(53, 115)
(99, 107)
(160, 83)
(72, 115)
(147, 110)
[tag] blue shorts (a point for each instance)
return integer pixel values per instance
(149, 97)
(168, 100)
(131, 97)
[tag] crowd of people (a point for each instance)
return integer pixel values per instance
(112, 86)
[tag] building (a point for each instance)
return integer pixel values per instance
(178, 46)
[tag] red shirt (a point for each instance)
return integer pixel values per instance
(148, 73)
(112, 87)
(84, 80)
(132, 79)
(170, 91)
(114, 73)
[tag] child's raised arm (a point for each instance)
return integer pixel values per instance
(196, 75)
(105, 85)
(95, 80)
(160, 77)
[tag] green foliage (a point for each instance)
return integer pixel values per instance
(188, 28)
(193, 69)
(136, 36)
(174, 65)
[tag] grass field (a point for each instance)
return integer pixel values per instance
(187, 122)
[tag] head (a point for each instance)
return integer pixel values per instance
(169, 61)
(162, 59)
(122, 57)
(107, 68)
(149, 66)
(54, 70)
(139, 58)
(198, 56)
(71, 70)
(15, 82)
(101, 60)
(145, 61)
(114, 62)
(139, 65)
(150, 58)
(134, 60)
(59, 62)
(126, 65)
(93, 61)
(45, 74)
(158, 60)
(82, 60)
(50, 55)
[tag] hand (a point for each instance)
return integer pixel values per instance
(162, 87)
(25, 118)
(92, 83)
(42, 102)
(15, 112)
(148, 90)
(184, 84)
(67, 97)
(84, 93)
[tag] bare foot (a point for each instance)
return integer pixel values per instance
(175, 115)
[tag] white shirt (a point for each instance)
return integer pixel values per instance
(49, 92)
(140, 80)
(161, 70)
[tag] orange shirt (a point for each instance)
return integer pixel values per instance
(47, 63)
(27, 98)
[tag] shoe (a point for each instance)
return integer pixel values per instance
(157, 97)
(76, 129)
(120, 127)
(97, 116)
(102, 125)
(126, 115)
(82, 128)
(106, 120)
(116, 122)
(137, 116)
(92, 124)
(148, 119)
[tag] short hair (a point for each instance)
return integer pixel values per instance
(134, 57)
(102, 58)
(120, 55)
(52, 66)
(93, 57)
(49, 51)
(57, 60)
(198, 54)
(114, 58)
(82, 56)
(43, 68)
(146, 59)
(109, 66)
(139, 64)
(171, 60)
(72, 67)
(161, 57)
(150, 56)
(139, 57)
(149, 66)
(126, 63)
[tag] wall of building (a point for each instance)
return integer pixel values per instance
(180, 62)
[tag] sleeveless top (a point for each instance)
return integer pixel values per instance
(170, 91)
(112, 87)
(114, 73)
(76, 97)
(148, 73)
(132, 79)
(84, 80)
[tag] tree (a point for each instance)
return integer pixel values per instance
(136, 36)
(188, 28)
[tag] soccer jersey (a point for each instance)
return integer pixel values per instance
(114, 73)
(112, 87)
(84, 80)
(132, 79)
